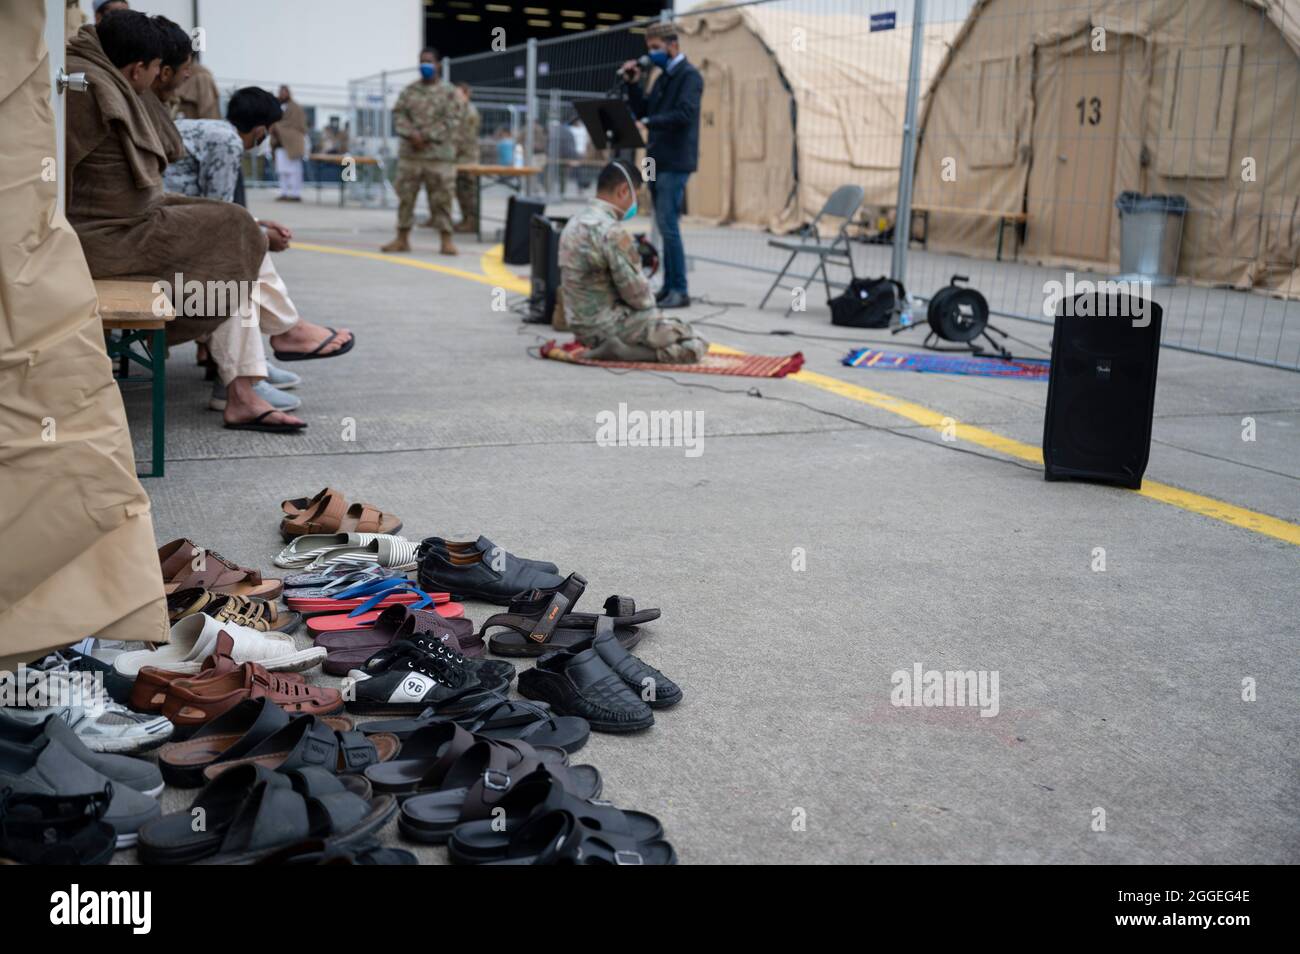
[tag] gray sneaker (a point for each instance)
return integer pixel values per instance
(122, 770)
(273, 396)
(280, 378)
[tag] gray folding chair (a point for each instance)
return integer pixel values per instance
(843, 204)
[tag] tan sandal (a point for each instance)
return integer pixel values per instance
(329, 512)
(261, 615)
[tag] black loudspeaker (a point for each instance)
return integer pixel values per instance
(544, 262)
(519, 215)
(1102, 388)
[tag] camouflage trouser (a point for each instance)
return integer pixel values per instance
(438, 179)
(467, 196)
(646, 335)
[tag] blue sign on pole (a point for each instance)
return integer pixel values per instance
(882, 21)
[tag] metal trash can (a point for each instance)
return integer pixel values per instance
(1151, 232)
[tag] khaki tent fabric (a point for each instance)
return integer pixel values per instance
(807, 101)
(74, 520)
(1202, 97)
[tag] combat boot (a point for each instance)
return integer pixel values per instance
(399, 244)
(466, 227)
(447, 247)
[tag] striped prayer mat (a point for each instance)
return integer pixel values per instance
(742, 365)
(1033, 368)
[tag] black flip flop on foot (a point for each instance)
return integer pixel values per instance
(316, 352)
(256, 425)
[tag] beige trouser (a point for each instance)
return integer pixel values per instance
(236, 343)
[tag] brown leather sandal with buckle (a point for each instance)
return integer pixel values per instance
(213, 572)
(329, 512)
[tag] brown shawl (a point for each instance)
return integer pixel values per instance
(168, 135)
(127, 224)
(198, 97)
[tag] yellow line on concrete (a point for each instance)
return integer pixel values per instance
(496, 274)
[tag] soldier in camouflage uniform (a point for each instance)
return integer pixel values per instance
(608, 302)
(466, 186)
(428, 116)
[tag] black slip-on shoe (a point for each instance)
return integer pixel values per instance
(481, 545)
(582, 684)
(675, 300)
(492, 575)
(647, 682)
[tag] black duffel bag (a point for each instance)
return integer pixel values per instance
(868, 303)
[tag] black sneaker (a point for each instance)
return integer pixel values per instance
(645, 681)
(582, 684)
(408, 678)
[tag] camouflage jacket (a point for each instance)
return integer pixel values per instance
(467, 141)
(600, 270)
(436, 113)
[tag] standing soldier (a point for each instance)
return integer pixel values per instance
(427, 117)
(466, 193)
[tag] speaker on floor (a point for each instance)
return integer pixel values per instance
(519, 216)
(1102, 387)
(544, 268)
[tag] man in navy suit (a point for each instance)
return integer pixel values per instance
(670, 115)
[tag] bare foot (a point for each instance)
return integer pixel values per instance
(304, 338)
(243, 405)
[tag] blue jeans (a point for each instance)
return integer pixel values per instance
(668, 189)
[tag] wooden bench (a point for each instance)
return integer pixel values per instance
(1015, 219)
(126, 306)
(341, 159)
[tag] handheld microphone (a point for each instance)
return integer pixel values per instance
(642, 61)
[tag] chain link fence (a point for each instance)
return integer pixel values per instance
(1033, 118)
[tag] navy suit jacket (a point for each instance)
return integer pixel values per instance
(671, 113)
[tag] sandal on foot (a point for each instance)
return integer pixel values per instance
(483, 841)
(260, 423)
(315, 354)
(469, 788)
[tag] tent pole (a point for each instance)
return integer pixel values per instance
(907, 164)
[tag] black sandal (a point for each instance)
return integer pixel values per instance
(559, 838)
(484, 841)
(471, 787)
(307, 742)
(315, 353)
(541, 621)
(38, 829)
(256, 425)
(496, 717)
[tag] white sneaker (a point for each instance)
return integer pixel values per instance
(101, 724)
(194, 639)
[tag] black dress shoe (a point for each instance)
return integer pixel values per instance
(661, 294)
(675, 300)
(583, 684)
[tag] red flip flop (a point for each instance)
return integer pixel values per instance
(319, 604)
(343, 623)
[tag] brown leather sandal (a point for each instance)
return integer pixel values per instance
(329, 512)
(214, 572)
(152, 684)
(189, 703)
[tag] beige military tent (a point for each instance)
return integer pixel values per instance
(795, 105)
(1054, 107)
(75, 531)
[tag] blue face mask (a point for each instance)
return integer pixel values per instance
(631, 211)
(428, 70)
(659, 58)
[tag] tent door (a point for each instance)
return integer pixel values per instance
(712, 180)
(1088, 127)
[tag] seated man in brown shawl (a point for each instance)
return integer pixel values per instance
(128, 226)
